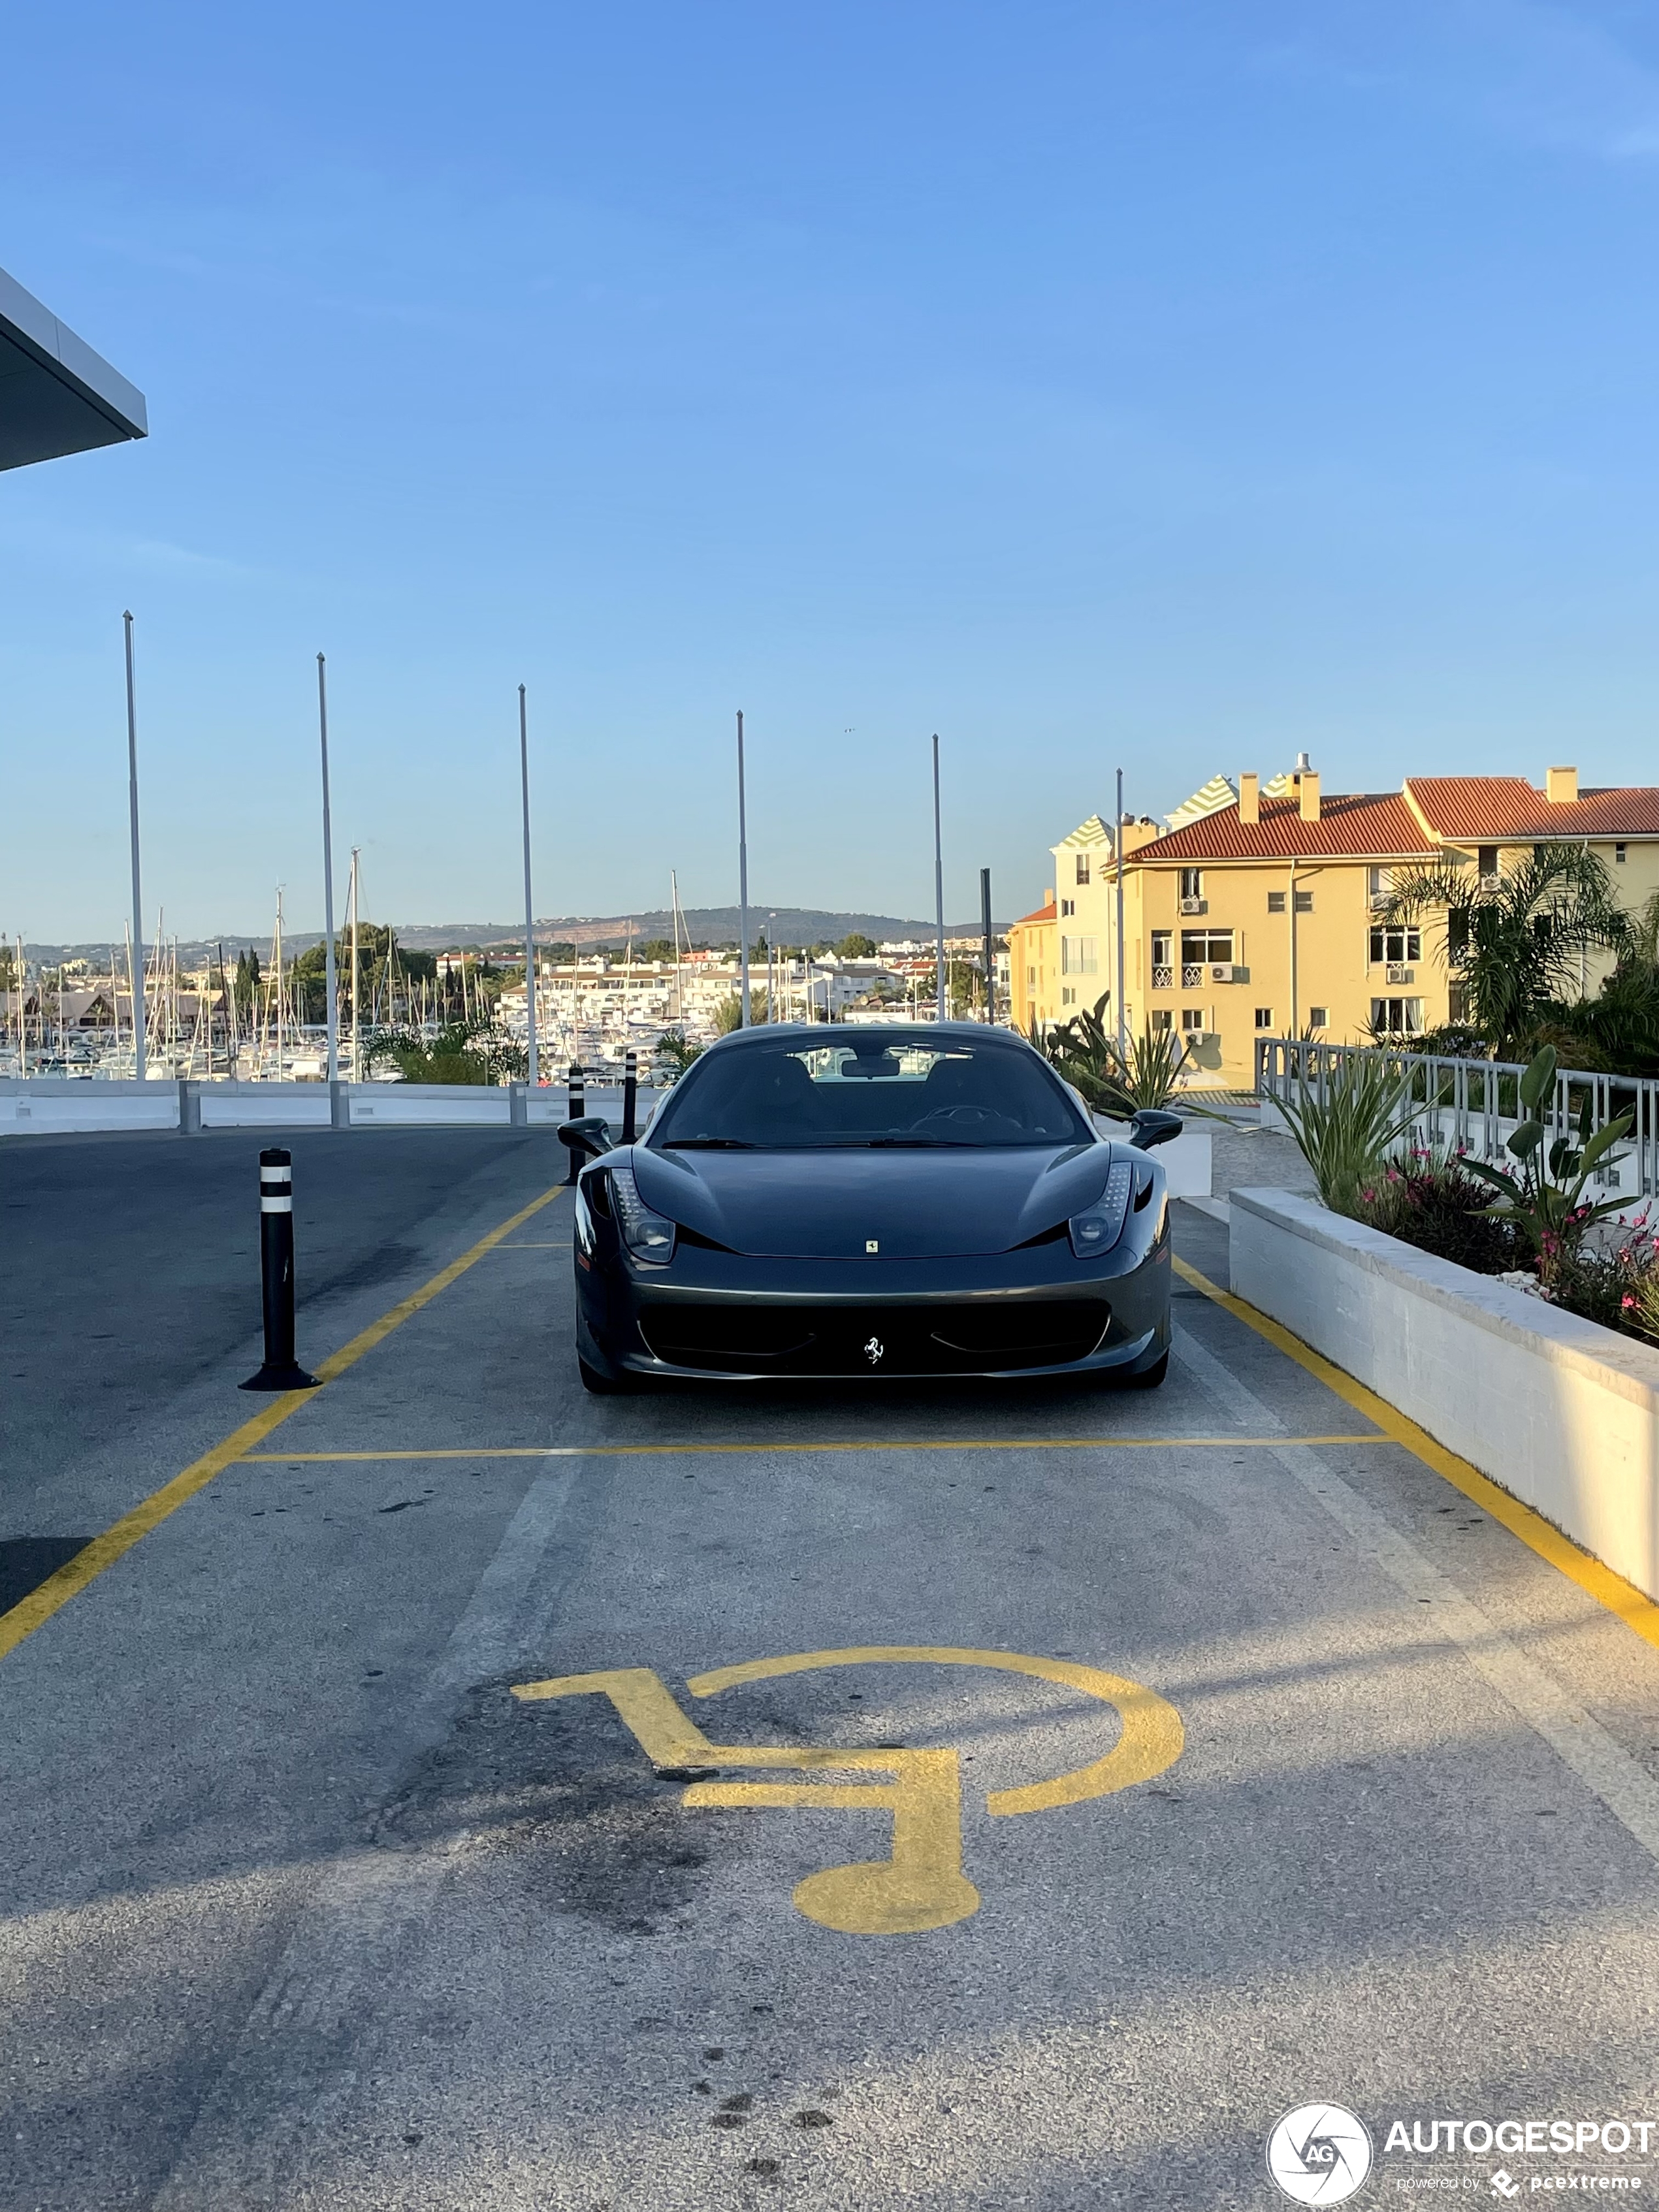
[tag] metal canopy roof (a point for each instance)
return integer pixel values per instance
(57, 395)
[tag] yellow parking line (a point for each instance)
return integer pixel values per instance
(1636, 1611)
(90, 1562)
(877, 1443)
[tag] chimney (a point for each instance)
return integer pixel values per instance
(1249, 796)
(1561, 786)
(1048, 896)
(1307, 785)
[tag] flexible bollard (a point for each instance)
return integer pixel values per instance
(630, 1095)
(578, 1110)
(281, 1371)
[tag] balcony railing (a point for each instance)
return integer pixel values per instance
(1163, 979)
(1192, 974)
(1474, 1105)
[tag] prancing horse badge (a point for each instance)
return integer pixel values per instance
(873, 1350)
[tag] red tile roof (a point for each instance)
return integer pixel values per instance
(1358, 825)
(1050, 913)
(1496, 806)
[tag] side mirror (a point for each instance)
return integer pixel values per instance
(587, 1138)
(1152, 1126)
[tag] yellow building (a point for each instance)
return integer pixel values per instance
(1258, 912)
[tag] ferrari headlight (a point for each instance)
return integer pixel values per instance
(1097, 1229)
(649, 1237)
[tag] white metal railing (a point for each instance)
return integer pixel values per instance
(1192, 974)
(1474, 1105)
(1163, 979)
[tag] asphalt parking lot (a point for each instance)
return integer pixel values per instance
(1152, 1763)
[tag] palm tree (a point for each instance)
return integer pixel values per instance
(1516, 949)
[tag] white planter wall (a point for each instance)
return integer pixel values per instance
(1562, 1413)
(1185, 1159)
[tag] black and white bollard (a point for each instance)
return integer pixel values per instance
(281, 1371)
(630, 1095)
(578, 1110)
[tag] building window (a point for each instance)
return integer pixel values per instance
(1077, 956)
(1486, 860)
(1275, 901)
(1619, 855)
(1069, 998)
(1391, 947)
(1192, 1020)
(1305, 901)
(1380, 882)
(1264, 1018)
(1318, 1017)
(1162, 961)
(1030, 979)
(1200, 946)
(1192, 882)
(1163, 1021)
(1396, 1017)
(1083, 867)
(1067, 906)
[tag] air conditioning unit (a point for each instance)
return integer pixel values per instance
(1491, 883)
(1399, 974)
(1381, 902)
(1228, 972)
(1195, 906)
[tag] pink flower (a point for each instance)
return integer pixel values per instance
(1626, 1303)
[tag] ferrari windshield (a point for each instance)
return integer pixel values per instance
(877, 1087)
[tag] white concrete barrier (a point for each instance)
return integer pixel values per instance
(1185, 1159)
(1562, 1413)
(57, 1106)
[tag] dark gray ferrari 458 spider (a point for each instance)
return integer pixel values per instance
(825, 1201)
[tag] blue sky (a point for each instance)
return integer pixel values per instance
(1178, 387)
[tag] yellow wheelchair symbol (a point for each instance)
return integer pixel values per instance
(922, 1885)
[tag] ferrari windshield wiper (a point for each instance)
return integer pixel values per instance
(929, 1142)
(709, 1144)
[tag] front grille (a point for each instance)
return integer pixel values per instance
(816, 1339)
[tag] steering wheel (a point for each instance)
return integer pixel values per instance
(969, 1121)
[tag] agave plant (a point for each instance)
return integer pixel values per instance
(1118, 1083)
(1346, 1134)
(1545, 1198)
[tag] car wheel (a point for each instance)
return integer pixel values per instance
(602, 1385)
(1148, 1378)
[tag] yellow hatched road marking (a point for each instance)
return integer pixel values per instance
(90, 1561)
(875, 1443)
(1620, 1597)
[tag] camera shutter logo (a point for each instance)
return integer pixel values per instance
(1319, 2154)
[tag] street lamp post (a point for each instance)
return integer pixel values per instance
(938, 894)
(136, 969)
(743, 879)
(328, 886)
(1117, 844)
(529, 910)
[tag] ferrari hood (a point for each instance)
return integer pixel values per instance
(908, 1204)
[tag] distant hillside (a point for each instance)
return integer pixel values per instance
(703, 925)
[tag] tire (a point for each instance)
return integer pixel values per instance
(602, 1385)
(1149, 1377)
